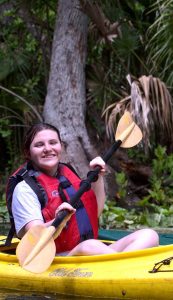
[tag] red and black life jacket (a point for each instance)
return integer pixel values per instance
(51, 192)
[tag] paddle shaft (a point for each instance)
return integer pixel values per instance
(86, 184)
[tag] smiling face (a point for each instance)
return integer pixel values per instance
(45, 150)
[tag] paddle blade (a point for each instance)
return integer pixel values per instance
(128, 132)
(31, 257)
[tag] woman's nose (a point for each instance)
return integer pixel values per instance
(47, 147)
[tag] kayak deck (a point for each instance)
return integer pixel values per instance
(116, 276)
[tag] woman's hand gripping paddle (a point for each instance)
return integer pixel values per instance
(36, 249)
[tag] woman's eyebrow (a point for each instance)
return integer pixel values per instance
(53, 140)
(38, 142)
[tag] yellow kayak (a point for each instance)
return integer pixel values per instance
(144, 274)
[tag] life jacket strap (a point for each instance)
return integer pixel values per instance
(35, 186)
(83, 221)
(10, 234)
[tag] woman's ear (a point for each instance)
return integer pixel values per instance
(63, 146)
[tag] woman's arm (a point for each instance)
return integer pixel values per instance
(98, 186)
(62, 206)
(26, 209)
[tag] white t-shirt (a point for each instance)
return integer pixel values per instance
(25, 206)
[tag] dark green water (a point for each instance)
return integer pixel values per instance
(10, 295)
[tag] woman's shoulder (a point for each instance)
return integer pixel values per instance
(22, 186)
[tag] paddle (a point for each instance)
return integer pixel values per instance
(36, 249)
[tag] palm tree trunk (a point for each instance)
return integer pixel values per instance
(65, 103)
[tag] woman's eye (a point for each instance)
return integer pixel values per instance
(53, 142)
(39, 145)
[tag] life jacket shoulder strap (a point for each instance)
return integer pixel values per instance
(65, 171)
(70, 167)
(22, 174)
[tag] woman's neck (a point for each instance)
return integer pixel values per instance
(50, 172)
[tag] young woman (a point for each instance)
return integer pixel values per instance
(58, 182)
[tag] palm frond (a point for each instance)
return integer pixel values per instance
(151, 106)
(160, 41)
(113, 113)
(33, 109)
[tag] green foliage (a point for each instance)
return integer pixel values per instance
(122, 184)
(4, 129)
(161, 181)
(115, 217)
(160, 40)
(155, 209)
(138, 155)
(4, 215)
(23, 57)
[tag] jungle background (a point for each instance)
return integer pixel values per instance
(79, 65)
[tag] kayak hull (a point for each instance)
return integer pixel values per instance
(116, 276)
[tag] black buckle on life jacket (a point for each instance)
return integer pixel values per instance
(24, 173)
